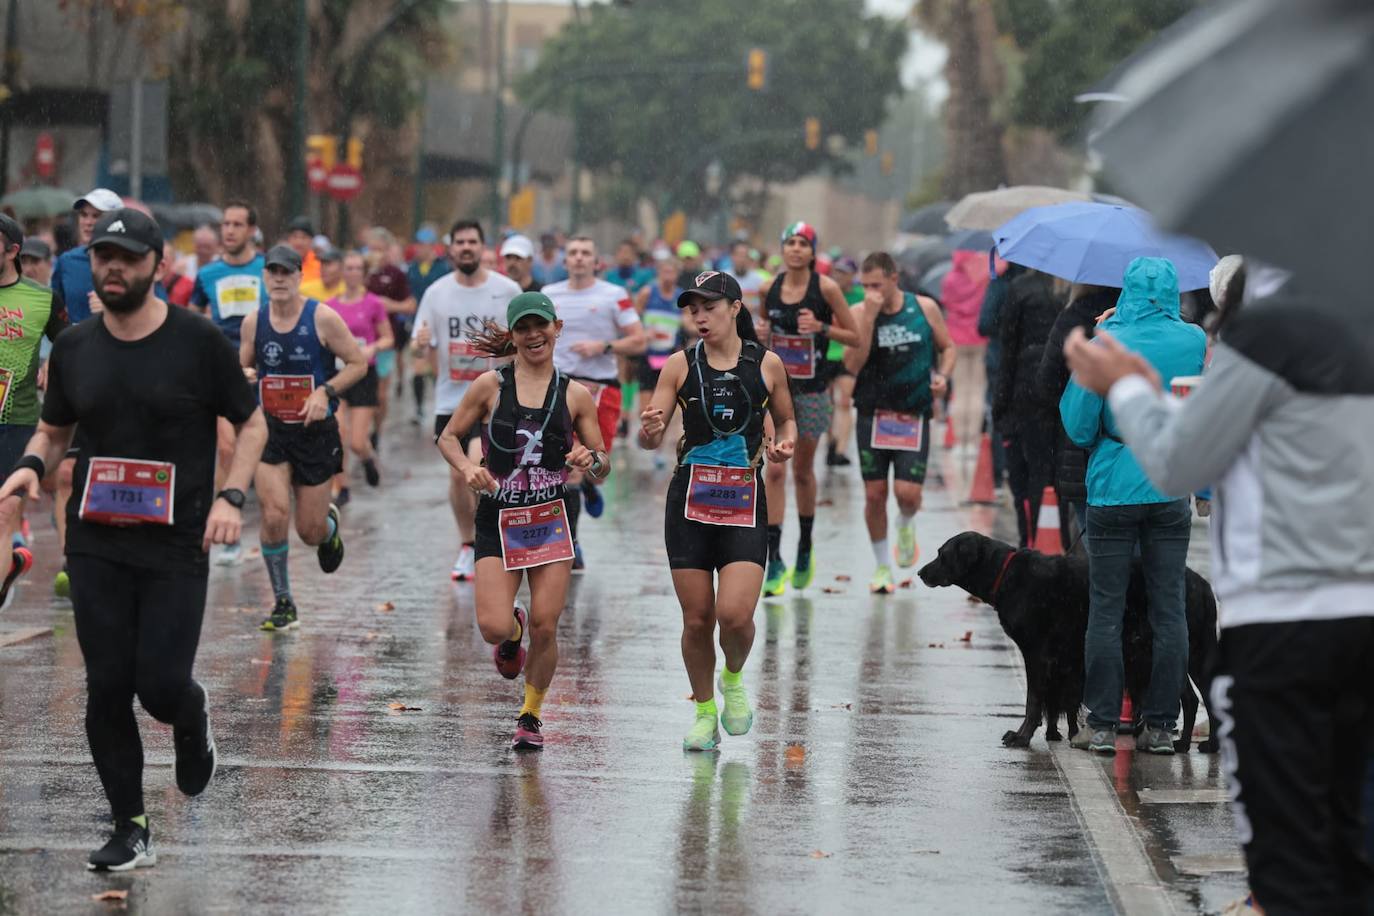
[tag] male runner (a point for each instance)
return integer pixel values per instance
(458, 305)
(35, 261)
(329, 284)
(900, 335)
(751, 280)
(229, 290)
(289, 347)
(599, 324)
(517, 252)
(300, 235)
(146, 382)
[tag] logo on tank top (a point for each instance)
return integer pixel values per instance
(271, 353)
(896, 335)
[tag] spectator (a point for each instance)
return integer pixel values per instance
(1125, 510)
(961, 294)
(548, 266)
(989, 320)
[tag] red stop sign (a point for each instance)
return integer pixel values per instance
(344, 182)
(316, 175)
(45, 156)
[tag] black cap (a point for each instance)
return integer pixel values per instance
(711, 284)
(132, 230)
(35, 248)
(11, 230)
(301, 224)
(330, 254)
(283, 256)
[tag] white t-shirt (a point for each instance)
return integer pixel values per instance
(595, 313)
(751, 285)
(452, 312)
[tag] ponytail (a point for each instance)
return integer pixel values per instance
(744, 324)
(493, 341)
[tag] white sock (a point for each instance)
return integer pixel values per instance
(904, 520)
(882, 553)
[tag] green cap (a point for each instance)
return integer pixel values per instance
(531, 303)
(689, 249)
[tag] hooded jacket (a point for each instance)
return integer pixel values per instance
(1147, 321)
(961, 294)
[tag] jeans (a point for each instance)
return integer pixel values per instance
(1162, 531)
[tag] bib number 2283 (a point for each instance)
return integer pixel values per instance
(128, 491)
(721, 496)
(535, 535)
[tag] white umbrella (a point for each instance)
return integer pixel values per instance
(989, 209)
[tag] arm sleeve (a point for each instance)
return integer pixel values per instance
(1187, 445)
(1081, 411)
(57, 409)
(625, 314)
(235, 400)
(57, 317)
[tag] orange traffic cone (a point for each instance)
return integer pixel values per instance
(982, 490)
(949, 434)
(1047, 529)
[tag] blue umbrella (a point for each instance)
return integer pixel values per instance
(1094, 242)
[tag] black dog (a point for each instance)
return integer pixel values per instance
(1042, 604)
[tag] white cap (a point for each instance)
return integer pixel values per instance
(103, 199)
(518, 245)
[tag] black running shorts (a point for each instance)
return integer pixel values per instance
(695, 545)
(314, 452)
(364, 392)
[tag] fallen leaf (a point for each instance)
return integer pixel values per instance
(386, 607)
(820, 854)
(967, 637)
(905, 583)
(401, 707)
(795, 755)
(842, 706)
(832, 591)
(843, 578)
(935, 645)
(110, 896)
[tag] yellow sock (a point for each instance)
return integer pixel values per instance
(534, 698)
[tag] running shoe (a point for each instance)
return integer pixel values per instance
(881, 583)
(370, 471)
(195, 753)
(465, 567)
(283, 616)
(21, 561)
(804, 571)
(528, 733)
(62, 583)
(22, 537)
(342, 498)
(1098, 740)
(776, 582)
(591, 498)
(510, 655)
(737, 716)
(579, 565)
(906, 550)
(230, 555)
(331, 552)
(130, 846)
(1153, 740)
(704, 736)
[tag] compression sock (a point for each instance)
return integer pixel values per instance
(881, 552)
(708, 708)
(417, 384)
(804, 541)
(274, 555)
(534, 698)
(141, 820)
(572, 498)
(774, 542)
(731, 678)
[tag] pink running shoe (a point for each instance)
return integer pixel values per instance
(21, 561)
(510, 655)
(528, 734)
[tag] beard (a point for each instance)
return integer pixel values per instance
(136, 291)
(469, 267)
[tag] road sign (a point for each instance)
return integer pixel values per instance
(344, 182)
(44, 155)
(316, 175)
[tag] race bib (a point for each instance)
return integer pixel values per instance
(721, 496)
(661, 330)
(6, 381)
(534, 535)
(128, 491)
(284, 396)
(798, 354)
(465, 364)
(896, 432)
(238, 295)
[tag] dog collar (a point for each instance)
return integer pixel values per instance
(997, 583)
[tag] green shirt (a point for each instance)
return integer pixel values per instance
(835, 353)
(28, 312)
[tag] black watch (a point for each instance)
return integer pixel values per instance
(329, 390)
(610, 345)
(233, 497)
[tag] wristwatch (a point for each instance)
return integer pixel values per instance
(232, 496)
(329, 390)
(607, 348)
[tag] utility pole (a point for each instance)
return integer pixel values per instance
(295, 154)
(498, 126)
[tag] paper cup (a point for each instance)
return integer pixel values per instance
(1183, 385)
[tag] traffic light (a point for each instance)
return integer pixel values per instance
(813, 133)
(756, 65)
(871, 142)
(323, 147)
(354, 156)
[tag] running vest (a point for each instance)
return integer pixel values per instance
(897, 374)
(297, 352)
(525, 448)
(662, 325)
(723, 409)
(783, 317)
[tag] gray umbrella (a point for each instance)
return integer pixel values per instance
(927, 220)
(1251, 128)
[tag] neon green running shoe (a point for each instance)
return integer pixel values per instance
(804, 571)
(776, 582)
(737, 716)
(62, 584)
(881, 583)
(907, 551)
(704, 736)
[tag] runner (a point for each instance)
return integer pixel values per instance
(528, 452)
(458, 305)
(300, 235)
(293, 369)
(599, 323)
(899, 336)
(750, 279)
(713, 524)
(146, 382)
(229, 290)
(662, 320)
(387, 280)
(370, 326)
(329, 284)
(627, 271)
(425, 268)
(804, 311)
(517, 253)
(844, 272)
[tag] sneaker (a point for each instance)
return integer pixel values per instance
(129, 847)
(591, 499)
(881, 583)
(231, 555)
(331, 552)
(906, 550)
(736, 716)
(510, 655)
(370, 472)
(579, 565)
(21, 561)
(342, 498)
(528, 733)
(195, 754)
(1155, 740)
(776, 581)
(283, 616)
(465, 567)
(1098, 740)
(804, 571)
(62, 583)
(704, 736)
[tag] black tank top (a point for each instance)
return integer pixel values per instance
(736, 400)
(525, 448)
(783, 317)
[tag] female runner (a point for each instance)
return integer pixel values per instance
(725, 383)
(528, 413)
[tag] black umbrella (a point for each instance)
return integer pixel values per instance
(924, 255)
(1251, 128)
(927, 220)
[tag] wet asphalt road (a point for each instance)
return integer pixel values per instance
(873, 772)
